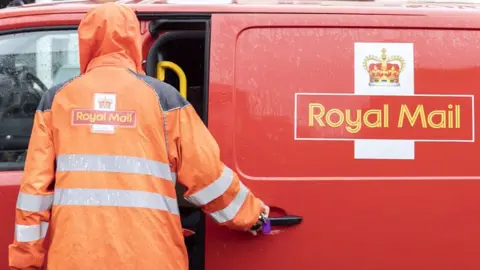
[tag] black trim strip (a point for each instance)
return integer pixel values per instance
(12, 166)
(206, 70)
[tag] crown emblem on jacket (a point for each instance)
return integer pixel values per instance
(105, 103)
(384, 70)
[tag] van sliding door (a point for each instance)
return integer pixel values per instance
(362, 124)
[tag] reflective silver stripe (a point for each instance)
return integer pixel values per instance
(34, 203)
(114, 197)
(214, 190)
(114, 164)
(174, 178)
(229, 212)
(29, 233)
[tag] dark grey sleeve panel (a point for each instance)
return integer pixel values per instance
(170, 98)
(47, 97)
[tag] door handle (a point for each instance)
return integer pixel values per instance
(285, 220)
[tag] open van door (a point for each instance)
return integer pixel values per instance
(361, 124)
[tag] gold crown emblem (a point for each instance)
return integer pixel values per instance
(384, 71)
(105, 103)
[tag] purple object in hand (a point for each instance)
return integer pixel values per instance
(267, 227)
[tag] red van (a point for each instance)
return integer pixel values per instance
(355, 120)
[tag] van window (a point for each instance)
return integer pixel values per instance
(30, 63)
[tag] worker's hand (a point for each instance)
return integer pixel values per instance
(258, 226)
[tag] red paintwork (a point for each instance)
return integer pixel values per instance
(359, 214)
(9, 182)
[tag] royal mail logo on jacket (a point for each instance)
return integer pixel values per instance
(384, 116)
(104, 117)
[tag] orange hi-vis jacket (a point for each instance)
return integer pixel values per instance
(105, 152)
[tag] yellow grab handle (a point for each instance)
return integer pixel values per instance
(161, 66)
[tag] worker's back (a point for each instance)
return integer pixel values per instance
(112, 152)
(114, 205)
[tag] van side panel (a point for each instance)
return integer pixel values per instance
(400, 192)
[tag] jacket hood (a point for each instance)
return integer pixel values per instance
(109, 35)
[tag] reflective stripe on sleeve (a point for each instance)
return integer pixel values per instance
(34, 203)
(229, 212)
(214, 190)
(174, 177)
(113, 164)
(29, 233)
(116, 198)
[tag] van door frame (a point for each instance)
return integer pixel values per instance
(186, 18)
